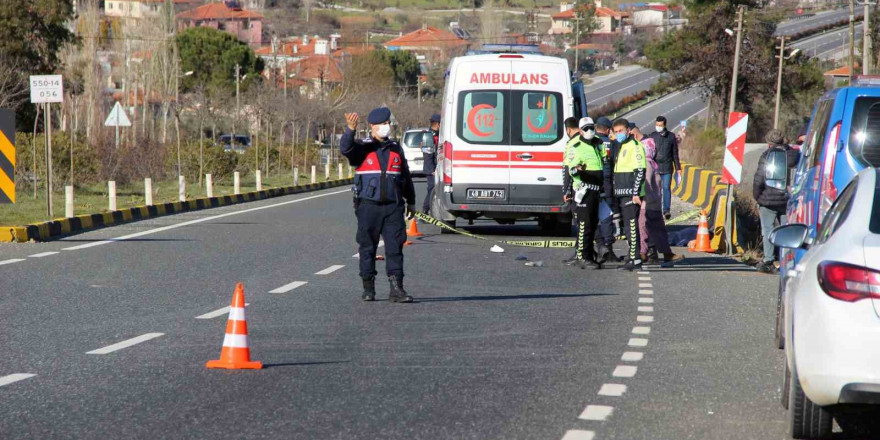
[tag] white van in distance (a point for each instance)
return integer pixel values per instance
(502, 139)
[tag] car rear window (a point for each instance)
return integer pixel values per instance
(535, 117)
(412, 139)
(865, 140)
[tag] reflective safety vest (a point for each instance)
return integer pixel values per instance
(629, 169)
(379, 177)
(590, 155)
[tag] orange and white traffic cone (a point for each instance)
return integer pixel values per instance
(235, 354)
(701, 244)
(413, 230)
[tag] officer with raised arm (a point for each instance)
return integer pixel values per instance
(383, 195)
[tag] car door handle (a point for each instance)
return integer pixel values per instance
(524, 156)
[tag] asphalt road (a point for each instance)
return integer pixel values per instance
(619, 86)
(492, 349)
(791, 27)
(678, 106)
(829, 45)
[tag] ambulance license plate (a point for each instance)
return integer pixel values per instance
(485, 194)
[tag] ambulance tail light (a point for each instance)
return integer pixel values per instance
(447, 163)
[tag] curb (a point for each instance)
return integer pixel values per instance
(65, 226)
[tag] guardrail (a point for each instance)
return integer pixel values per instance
(703, 189)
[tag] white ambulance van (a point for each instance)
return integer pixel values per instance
(502, 139)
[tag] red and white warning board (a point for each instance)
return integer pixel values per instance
(736, 145)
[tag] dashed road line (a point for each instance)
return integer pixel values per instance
(646, 292)
(42, 254)
(643, 273)
(646, 300)
(288, 287)
(578, 434)
(644, 318)
(13, 378)
(216, 313)
(646, 309)
(596, 412)
(646, 285)
(10, 261)
(641, 330)
(612, 389)
(644, 278)
(625, 371)
(330, 269)
(125, 344)
(632, 356)
(637, 342)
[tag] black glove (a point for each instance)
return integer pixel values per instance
(410, 211)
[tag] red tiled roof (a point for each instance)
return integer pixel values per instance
(177, 2)
(218, 11)
(594, 46)
(427, 37)
(287, 48)
(842, 71)
(569, 14)
(600, 12)
(353, 51)
(316, 66)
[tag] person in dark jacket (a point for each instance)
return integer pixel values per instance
(607, 234)
(430, 156)
(666, 144)
(382, 186)
(771, 189)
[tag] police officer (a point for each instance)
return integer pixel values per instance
(629, 188)
(430, 156)
(607, 225)
(583, 182)
(382, 184)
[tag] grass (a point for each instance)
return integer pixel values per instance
(92, 198)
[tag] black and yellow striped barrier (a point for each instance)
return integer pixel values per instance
(703, 189)
(64, 226)
(7, 156)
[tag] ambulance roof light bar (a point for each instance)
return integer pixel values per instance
(507, 48)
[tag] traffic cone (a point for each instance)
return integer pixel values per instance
(235, 354)
(413, 230)
(702, 242)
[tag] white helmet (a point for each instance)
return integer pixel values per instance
(585, 122)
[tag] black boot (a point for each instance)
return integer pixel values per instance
(369, 289)
(631, 265)
(591, 263)
(571, 260)
(611, 256)
(398, 295)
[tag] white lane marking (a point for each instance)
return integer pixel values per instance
(625, 371)
(43, 254)
(637, 342)
(612, 389)
(647, 309)
(199, 220)
(644, 278)
(651, 78)
(596, 412)
(641, 330)
(288, 287)
(578, 434)
(216, 313)
(12, 378)
(10, 261)
(646, 292)
(632, 356)
(643, 273)
(678, 127)
(646, 285)
(329, 270)
(644, 318)
(646, 300)
(125, 344)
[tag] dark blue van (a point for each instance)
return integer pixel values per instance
(843, 138)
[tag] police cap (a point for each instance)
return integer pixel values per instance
(379, 115)
(435, 118)
(603, 122)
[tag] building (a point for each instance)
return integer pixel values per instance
(144, 9)
(279, 52)
(228, 16)
(657, 16)
(314, 75)
(609, 20)
(433, 43)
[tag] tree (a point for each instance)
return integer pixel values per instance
(212, 55)
(403, 64)
(32, 32)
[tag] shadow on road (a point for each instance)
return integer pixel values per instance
(706, 264)
(303, 364)
(509, 297)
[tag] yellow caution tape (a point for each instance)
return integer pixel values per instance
(523, 243)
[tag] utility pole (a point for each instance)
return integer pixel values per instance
(577, 38)
(779, 80)
(285, 80)
(728, 228)
(237, 102)
(852, 39)
(48, 130)
(867, 44)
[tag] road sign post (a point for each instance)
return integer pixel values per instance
(47, 89)
(737, 126)
(117, 118)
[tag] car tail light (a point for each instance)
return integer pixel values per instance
(847, 282)
(829, 191)
(447, 163)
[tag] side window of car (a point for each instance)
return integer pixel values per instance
(816, 137)
(837, 214)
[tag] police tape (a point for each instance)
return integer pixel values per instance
(522, 243)
(684, 217)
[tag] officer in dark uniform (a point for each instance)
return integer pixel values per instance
(430, 156)
(382, 184)
(606, 237)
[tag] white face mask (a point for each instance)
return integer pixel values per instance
(660, 128)
(383, 131)
(588, 135)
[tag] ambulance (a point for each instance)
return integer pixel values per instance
(502, 139)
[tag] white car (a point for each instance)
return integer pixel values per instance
(413, 142)
(832, 314)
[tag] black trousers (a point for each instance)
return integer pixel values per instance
(606, 236)
(587, 215)
(629, 213)
(426, 205)
(385, 221)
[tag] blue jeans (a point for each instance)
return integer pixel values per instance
(768, 222)
(666, 186)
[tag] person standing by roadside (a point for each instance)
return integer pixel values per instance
(582, 185)
(629, 188)
(430, 165)
(666, 144)
(606, 236)
(771, 190)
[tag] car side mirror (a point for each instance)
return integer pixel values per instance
(791, 236)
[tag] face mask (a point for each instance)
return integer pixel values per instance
(660, 128)
(588, 135)
(620, 137)
(383, 131)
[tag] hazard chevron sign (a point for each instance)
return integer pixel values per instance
(736, 145)
(7, 156)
